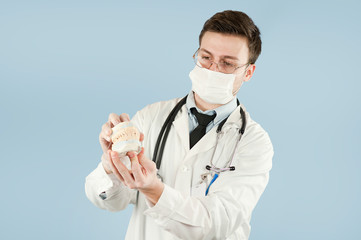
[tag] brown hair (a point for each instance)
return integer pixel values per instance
(235, 23)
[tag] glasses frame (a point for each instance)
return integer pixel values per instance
(195, 61)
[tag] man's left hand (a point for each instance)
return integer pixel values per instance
(143, 175)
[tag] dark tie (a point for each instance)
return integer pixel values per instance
(200, 130)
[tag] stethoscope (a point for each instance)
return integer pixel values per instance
(164, 132)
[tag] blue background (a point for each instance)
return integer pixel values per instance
(65, 65)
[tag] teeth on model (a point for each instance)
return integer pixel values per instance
(125, 138)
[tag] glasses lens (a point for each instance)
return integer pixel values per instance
(199, 61)
(204, 60)
(196, 61)
(226, 67)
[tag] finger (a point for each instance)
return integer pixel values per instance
(106, 129)
(105, 163)
(141, 158)
(124, 117)
(148, 164)
(104, 136)
(113, 119)
(123, 170)
(136, 169)
(105, 145)
(132, 156)
(141, 154)
(113, 168)
(141, 137)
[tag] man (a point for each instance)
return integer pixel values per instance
(210, 181)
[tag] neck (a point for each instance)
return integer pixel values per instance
(203, 105)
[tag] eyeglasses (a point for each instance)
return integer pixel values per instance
(204, 60)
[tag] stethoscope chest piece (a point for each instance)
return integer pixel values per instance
(212, 169)
(219, 170)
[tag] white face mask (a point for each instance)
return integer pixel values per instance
(212, 87)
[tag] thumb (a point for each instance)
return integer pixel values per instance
(148, 164)
(141, 156)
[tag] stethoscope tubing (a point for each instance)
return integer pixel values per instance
(163, 135)
(224, 169)
(166, 126)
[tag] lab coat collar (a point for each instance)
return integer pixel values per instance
(235, 116)
(221, 112)
(208, 141)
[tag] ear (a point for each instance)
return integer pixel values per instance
(249, 72)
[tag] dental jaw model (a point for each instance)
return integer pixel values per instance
(125, 138)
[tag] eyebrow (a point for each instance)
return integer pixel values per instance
(224, 56)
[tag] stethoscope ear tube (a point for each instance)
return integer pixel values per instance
(163, 135)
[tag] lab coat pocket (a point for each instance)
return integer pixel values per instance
(199, 190)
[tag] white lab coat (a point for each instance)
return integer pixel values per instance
(183, 213)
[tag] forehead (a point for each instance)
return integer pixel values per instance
(225, 45)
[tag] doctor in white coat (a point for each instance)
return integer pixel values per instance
(176, 205)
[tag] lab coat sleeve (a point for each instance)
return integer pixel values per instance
(118, 195)
(228, 206)
(98, 181)
(215, 216)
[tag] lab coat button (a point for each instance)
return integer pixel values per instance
(185, 169)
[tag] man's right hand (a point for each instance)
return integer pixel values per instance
(104, 138)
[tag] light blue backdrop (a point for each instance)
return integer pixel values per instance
(65, 65)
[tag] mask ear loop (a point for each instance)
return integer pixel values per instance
(235, 92)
